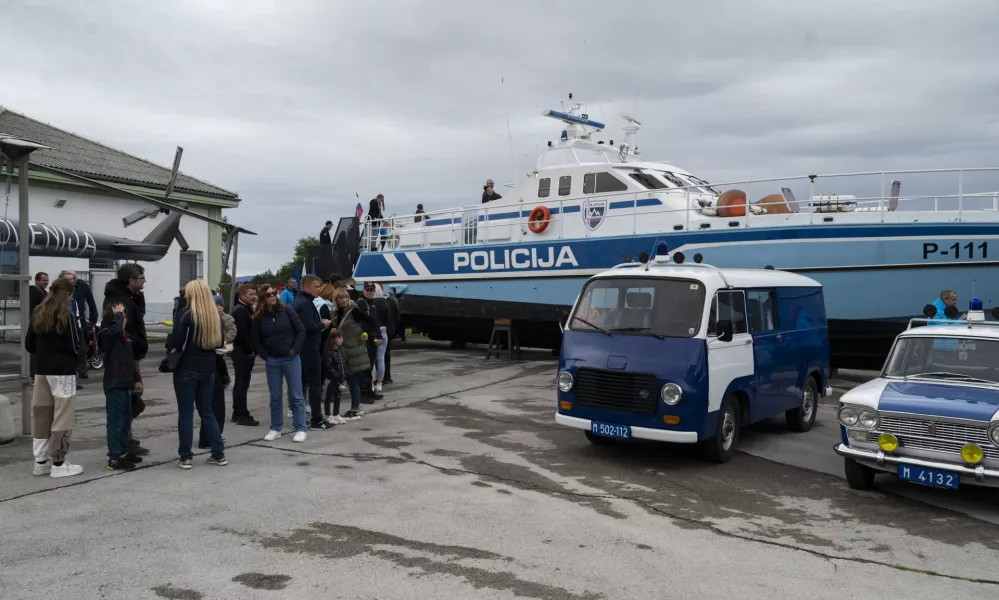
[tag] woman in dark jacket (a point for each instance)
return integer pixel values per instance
(278, 336)
(196, 337)
(349, 319)
(53, 340)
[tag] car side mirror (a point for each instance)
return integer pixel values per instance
(724, 330)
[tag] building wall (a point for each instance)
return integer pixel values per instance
(102, 214)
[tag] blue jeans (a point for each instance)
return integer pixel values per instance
(354, 385)
(118, 406)
(287, 368)
(380, 357)
(194, 390)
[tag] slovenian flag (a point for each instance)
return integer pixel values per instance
(359, 211)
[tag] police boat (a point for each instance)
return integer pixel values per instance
(592, 203)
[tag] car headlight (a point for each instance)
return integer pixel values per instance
(671, 394)
(994, 434)
(868, 419)
(565, 381)
(848, 416)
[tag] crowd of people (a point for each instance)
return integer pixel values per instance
(318, 341)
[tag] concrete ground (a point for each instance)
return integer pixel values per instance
(460, 485)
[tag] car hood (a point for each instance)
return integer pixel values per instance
(940, 400)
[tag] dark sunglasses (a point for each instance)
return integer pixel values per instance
(270, 294)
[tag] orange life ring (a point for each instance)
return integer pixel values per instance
(539, 219)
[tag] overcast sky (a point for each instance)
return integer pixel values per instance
(297, 105)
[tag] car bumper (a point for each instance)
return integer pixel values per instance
(641, 433)
(880, 460)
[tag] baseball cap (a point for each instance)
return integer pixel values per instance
(218, 300)
(369, 286)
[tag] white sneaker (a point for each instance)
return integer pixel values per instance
(291, 415)
(299, 436)
(272, 435)
(65, 470)
(340, 420)
(308, 409)
(43, 469)
(332, 420)
(378, 387)
(343, 387)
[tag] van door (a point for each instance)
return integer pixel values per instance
(768, 355)
(733, 360)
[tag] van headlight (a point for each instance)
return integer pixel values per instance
(565, 381)
(671, 394)
(994, 434)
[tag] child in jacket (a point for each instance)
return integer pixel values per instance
(335, 373)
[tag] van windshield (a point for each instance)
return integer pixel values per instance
(640, 306)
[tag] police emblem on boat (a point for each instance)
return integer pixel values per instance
(594, 212)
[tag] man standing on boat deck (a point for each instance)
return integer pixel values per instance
(376, 212)
(488, 195)
(324, 234)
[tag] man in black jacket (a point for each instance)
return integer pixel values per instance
(126, 289)
(311, 359)
(392, 328)
(87, 315)
(36, 294)
(243, 354)
(324, 234)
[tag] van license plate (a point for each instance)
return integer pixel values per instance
(932, 477)
(608, 430)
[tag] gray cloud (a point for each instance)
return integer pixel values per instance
(298, 105)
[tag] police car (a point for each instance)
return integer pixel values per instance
(932, 417)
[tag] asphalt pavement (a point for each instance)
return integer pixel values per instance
(459, 485)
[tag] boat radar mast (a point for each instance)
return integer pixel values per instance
(576, 136)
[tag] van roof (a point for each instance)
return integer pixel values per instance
(747, 278)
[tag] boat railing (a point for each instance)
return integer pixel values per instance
(475, 224)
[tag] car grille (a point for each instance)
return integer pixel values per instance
(617, 390)
(946, 437)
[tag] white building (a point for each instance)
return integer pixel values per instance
(65, 202)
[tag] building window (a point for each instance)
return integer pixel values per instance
(544, 187)
(564, 185)
(599, 183)
(106, 264)
(192, 266)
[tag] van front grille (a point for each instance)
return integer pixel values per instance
(617, 390)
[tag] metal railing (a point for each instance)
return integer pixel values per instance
(472, 225)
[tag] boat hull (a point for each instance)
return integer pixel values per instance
(876, 277)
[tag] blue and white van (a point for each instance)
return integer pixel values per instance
(688, 353)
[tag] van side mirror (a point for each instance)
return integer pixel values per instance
(724, 330)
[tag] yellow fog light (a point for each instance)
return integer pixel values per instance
(671, 420)
(565, 405)
(972, 454)
(888, 442)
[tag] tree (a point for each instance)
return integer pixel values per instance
(287, 270)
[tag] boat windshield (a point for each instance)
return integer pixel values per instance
(640, 306)
(945, 359)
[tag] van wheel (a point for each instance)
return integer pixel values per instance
(858, 476)
(96, 362)
(599, 440)
(802, 418)
(720, 447)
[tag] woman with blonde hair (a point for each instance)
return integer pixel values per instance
(53, 339)
(196, 337)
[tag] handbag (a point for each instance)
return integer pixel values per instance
(171, 361)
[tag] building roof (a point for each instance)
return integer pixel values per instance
(79, 155)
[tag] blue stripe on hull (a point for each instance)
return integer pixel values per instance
(552, 272)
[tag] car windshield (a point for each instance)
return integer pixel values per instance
(945, 359)
(640, 306)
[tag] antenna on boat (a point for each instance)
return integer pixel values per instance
(509, 132)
